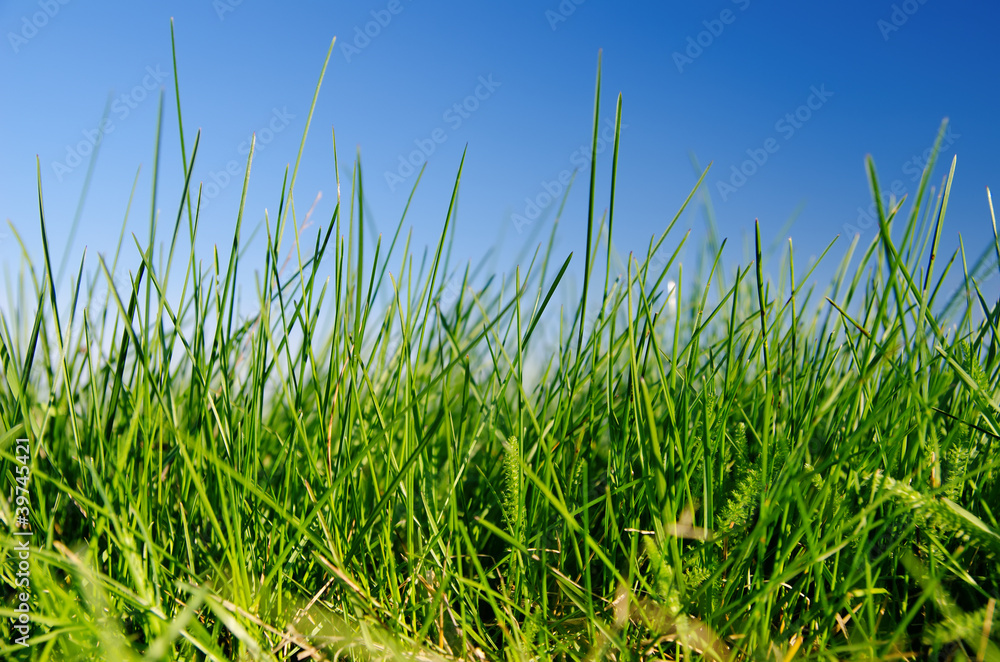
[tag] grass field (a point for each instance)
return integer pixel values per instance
(397, 462)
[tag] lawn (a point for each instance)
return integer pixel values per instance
(596, 456)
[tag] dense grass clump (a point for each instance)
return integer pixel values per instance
(369, 466)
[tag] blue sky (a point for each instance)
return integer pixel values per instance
(806, 89)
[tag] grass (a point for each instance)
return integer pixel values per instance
(765, 472)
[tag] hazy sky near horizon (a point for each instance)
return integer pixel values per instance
(785, 99)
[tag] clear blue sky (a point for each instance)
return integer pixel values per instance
(717, 79)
